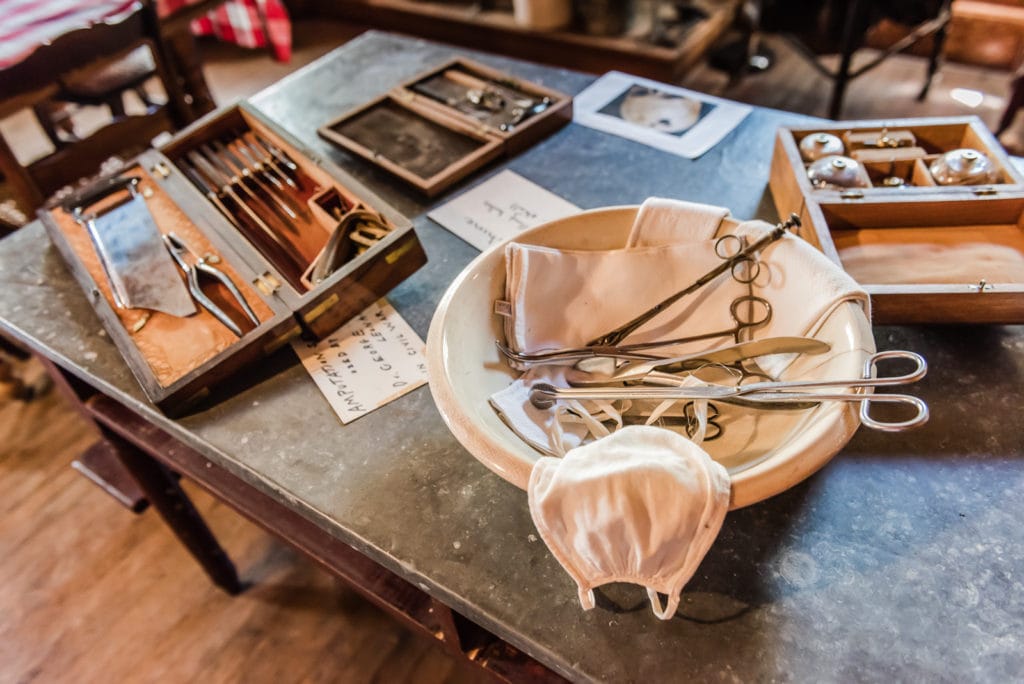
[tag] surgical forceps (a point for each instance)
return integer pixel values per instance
(758, 312)
(743, 256)
(193, 265)
(747, 311)
(544, 396)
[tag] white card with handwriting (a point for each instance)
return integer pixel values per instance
(500, 208)
(366, 363)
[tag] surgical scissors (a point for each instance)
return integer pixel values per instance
(193, 265)
(544, 396)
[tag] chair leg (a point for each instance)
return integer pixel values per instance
(1015, 103)
(847, 47)
(116, 105)
(25, 190)
(938, 41)
(45, 112)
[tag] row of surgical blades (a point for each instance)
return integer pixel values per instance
(260, 183)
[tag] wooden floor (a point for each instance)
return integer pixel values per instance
(793, 85)
(91, 593)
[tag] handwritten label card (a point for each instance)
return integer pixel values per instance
(366, 363)
(499, 209)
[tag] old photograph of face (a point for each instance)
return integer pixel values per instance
(667, 117)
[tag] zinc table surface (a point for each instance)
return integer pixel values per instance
(902, 559)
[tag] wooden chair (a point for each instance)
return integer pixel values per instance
(838, 27)
(94, 64)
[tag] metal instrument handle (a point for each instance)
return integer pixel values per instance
(83, 199)
(226, 281)
(920, 416)
(208, 304)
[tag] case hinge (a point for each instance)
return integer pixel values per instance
(282, 339)
(398, 252)
(320, 309)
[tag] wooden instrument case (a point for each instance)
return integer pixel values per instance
(926, 253)
(453, 143)
(179, 361)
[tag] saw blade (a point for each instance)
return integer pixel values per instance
(141, 271)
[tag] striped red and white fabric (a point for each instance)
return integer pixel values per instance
(27, 24)
(249, 23)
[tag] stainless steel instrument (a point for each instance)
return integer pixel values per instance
(605, 371)
(140, 272)
(544, 396)
(591, 359)
(743, 256)
(192, 265)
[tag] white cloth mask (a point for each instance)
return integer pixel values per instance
(642, 505)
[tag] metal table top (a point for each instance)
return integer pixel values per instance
(903, 558)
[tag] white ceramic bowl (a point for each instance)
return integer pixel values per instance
(465, 369)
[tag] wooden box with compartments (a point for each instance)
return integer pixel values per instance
(927, 214)
(216, 249)
(448, 122)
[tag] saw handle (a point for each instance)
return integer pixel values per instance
(85, 198)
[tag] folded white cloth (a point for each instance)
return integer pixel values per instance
(665, 222)
(565, 298)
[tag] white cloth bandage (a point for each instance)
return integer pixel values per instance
(562, 298)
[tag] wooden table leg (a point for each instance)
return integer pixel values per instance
(395, 595)
(166, 495)
(152, 458)
(157, 482)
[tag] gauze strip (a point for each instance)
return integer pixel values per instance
(642, 505)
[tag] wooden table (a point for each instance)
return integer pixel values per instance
(901, 559)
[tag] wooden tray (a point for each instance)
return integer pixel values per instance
(926, 253)
(179, 361)
(432, 144)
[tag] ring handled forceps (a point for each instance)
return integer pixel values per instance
(733, 261)
(192, 265)
(544, 396)
(747, 311)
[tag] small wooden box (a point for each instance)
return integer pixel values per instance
(926, 253)
(429, 132)
(179, 361)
